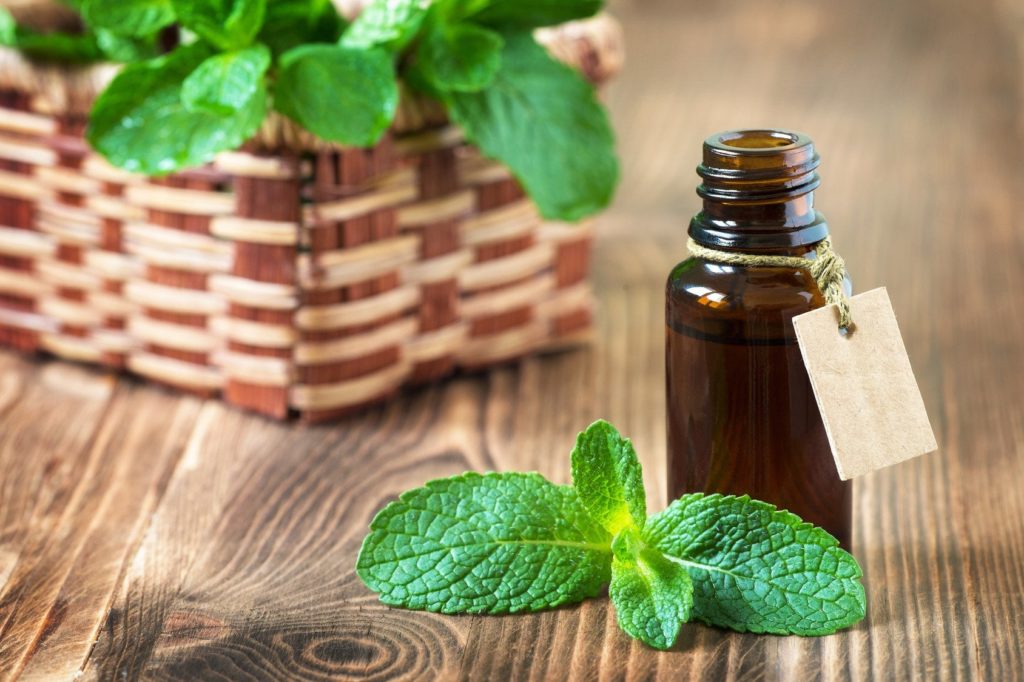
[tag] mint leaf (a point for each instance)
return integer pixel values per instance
(141, 123)
(224, 83)
(290, 23)
(389, 24)
(528, 13)
(496, 543)
(543, 121)
(758, 569)
(57, 47)
(121, 49)
(128, 18)
(8, 28)
(338, 93)
(459, 57)
(228, 24)
(652, 597)
(607, 476)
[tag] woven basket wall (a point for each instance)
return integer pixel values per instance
(290, 276)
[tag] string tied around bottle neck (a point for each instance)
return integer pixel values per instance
(828, 270)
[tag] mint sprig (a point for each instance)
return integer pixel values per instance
(505, 543)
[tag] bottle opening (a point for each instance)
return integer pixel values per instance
(758, 139)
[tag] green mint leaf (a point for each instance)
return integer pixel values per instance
(121, 49)
(140, 122)
(542, 120)
(128, 18)
(389, 24)
(224, 83)
(459, 57)
(652, 596)
(290, 23)
(607, 476)
(340, 94)
(228, 24)
(58, 47)
(528, 13)
(758, 569)
(8, 29)
(494, 543)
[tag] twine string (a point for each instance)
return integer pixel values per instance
(828, 270)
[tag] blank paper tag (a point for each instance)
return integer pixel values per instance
(865, 388)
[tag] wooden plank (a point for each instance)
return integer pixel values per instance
(50, 416)
(100, 458)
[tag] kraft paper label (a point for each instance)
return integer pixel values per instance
(869, 400)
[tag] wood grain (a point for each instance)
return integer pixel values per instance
(190, 541)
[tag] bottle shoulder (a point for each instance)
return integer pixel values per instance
(716, 288)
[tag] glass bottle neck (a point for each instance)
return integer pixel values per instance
(758, 191)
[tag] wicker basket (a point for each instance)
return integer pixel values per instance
(294, 275)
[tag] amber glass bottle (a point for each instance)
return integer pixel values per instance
(741, 414)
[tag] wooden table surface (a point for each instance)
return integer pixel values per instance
(144, 533)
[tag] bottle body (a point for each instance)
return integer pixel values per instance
(742, 417)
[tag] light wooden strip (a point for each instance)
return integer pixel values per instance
(108, 206)
(68, 215)
(438, 343)
(26, 320)
(352, 392)
(561, 233)
(63, 274)
(477, 170)
(507, 269)
(264, 295)
(175, 200)
(25, 284)
(170, 238)
(174, 371)
(507, 222)
(96, 166)
(174, 299)
(181, 260)
(432, 210)
(113, 341)
(254, 369)
(348, 266)
(502, 300)
(391, 192)
(22, 186)
(437, 269)
(508, 344)
(258, 334)
(252, 166)
(68, 232)
(114, 265)
(26, 243)
(24, 122)
(26, 151)
(358, 312)
(255, 231)
(396, 333)
(67, 180)
(173, 336)
(70, 347)
(429, 140)
(568, 300)
(69, 312)
(111, 305)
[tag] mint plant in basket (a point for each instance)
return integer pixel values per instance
(339, 202)
(238, 60)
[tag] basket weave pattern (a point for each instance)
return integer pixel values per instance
(307, 280)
